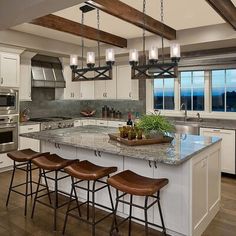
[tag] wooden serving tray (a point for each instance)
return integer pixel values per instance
(136, 142)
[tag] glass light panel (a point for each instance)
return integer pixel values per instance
(91, 58)
(73, 60)
(110, 55)
(133, 55)
(175, 50)
(153, 53)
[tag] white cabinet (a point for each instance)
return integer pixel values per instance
(9, 69)
(72, 89)
(106, 89)
(87, 90)
(116, 123)
(227, 147)
(5, 161)
(125, 87)
(25, 80)
(28, 142)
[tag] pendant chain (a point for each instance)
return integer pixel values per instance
(82, 38)
(162, 31)
(144, 28)
(98, 26)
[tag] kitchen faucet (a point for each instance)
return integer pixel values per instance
(185, 110)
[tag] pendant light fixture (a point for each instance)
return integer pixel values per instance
(100, 72)
(154, 68)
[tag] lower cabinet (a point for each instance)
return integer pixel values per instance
(28, 142)
(227, 147)
(101, 159)
(5, 161)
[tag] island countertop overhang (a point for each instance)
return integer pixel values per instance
(182, 148)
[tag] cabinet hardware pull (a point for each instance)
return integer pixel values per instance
(95, 153)
(59, 146)
(216, 130)
(130, 94)
(155, 164)
(150, 164)
(99, 154)
(1, 80)
(30, 128)
(1, 162)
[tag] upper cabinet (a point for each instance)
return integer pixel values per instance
(25, 76)
(9, 69)
(106, 89)
(120, 87)
(74, 90)
(126, 87)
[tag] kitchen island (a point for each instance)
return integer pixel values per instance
(191, 163)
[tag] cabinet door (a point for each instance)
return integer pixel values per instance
(123, 89)
(110, 86)
(10, 69)
(107, 160)
(126, 87)
(100, 89)
(25, 80)
(5, 161)
(28, 142)
(144, 168)
(227, 147)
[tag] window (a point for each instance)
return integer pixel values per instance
(224, 90)
(192, 90)
(164, 94)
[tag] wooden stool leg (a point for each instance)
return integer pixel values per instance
(130, 214)
(146, 215)
(12, 179)
(160, 212)
(36, 194)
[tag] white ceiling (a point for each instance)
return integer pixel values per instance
(181, 14)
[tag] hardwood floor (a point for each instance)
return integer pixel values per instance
(13, 222)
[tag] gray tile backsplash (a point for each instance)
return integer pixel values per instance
(44, 104)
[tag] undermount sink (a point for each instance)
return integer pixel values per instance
(190, 128)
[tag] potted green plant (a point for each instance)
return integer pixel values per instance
(154, 125)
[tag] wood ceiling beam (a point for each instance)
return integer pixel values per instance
(226, 9)
(67, 26)
(129, 14)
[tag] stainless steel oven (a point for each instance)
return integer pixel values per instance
(8, 101)
(8, 133)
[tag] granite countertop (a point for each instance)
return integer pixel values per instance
(72, 119)
(182, 148)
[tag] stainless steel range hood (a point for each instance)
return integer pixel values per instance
(47, 72)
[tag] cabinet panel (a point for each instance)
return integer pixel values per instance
(200, 191)
(143, 168)
(227, 147)
(123, 85)
(25, 80)
(10, 68)
(5, 161)
(28, 142)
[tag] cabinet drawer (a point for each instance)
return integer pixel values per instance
(116, 123)
(77, 123)
(101, 123)
(29, 128)
(5, 161)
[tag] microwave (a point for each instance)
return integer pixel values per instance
(8, 101)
